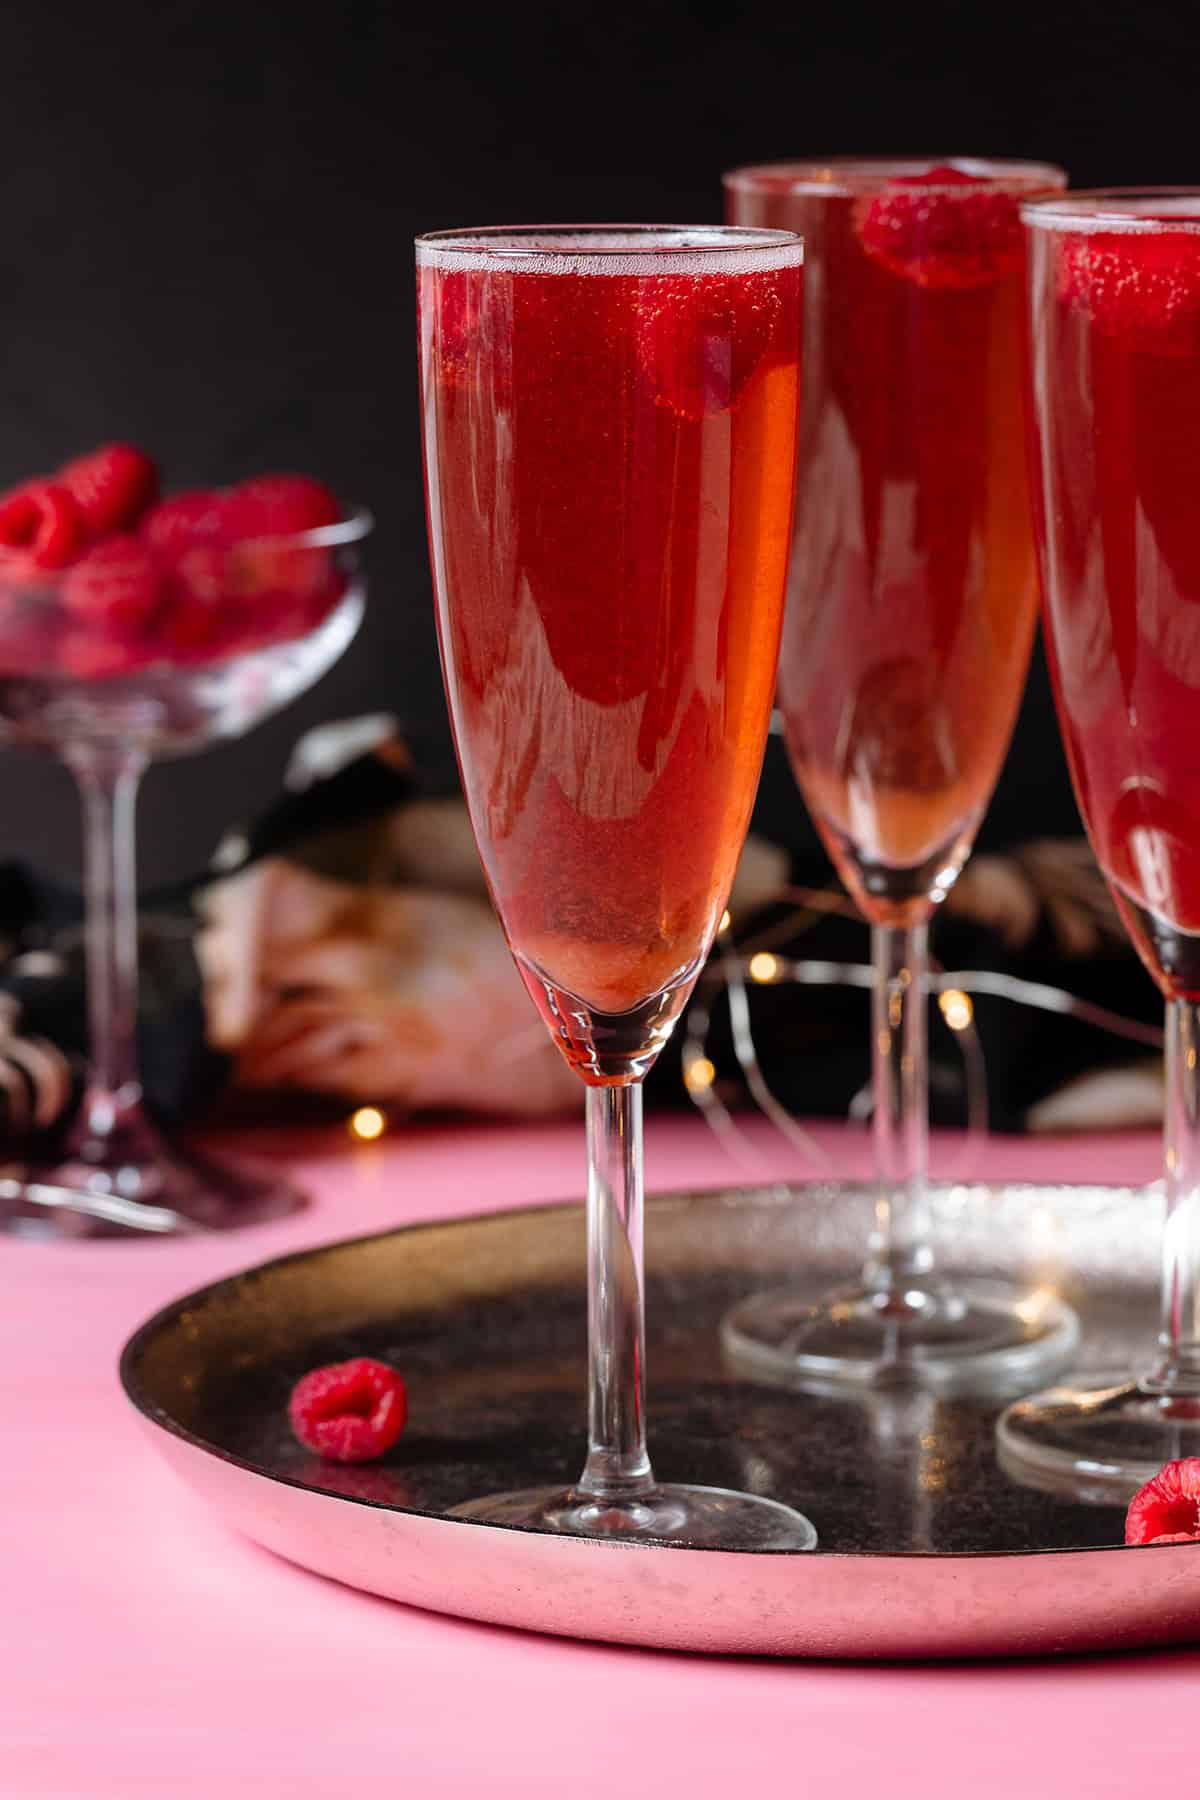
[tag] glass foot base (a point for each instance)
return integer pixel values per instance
(700, 1517)
(1097, 1444)
(977, 1337)
(155, 1192)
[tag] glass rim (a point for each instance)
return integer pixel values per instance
(850, 175)
(616, 243)
(1113, 209)
(358, 523)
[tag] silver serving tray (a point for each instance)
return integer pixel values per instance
(927, 1549)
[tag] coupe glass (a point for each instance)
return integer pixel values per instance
(912, 598)
(610, 435)
(1115, 292)
(257, 623)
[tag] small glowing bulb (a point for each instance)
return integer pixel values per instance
(726, 920)
(764, 967)
(699, 1075)
(367, 1123)
(956, 1008)
(1034, 1305)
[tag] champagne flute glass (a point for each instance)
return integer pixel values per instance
(239, 631)
(1115, 296)
(610, 433)
(910, 618)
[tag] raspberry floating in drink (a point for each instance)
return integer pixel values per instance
(705, 370)
(1167, 1509)
(1145, 290)
(350, 1412)
(942, 229)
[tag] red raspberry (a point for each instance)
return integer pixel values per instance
(700, 341)
(189, 632)
(279, 505)
(236, 585)
(1143, 286)
(919, 228)
(41, 521)
(200, 623)
(228, 601)
(1167, 1509)
(194, 632)
(112, 486)
(116, 587)
(280, 580)
(350, 1411)
(181, 520)
(205, 570)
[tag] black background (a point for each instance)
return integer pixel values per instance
(206, 214)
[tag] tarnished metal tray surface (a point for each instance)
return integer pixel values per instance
(926, 1548)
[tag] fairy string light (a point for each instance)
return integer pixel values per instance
(754, 964)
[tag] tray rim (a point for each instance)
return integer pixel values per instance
(778, 1193)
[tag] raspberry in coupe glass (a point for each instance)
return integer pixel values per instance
(610, 432)
(134, 627)
(1115, 286)
(911, 604)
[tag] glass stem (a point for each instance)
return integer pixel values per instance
(617, 1466)
(900, 1253)
(108, 783)
(1178, 1371)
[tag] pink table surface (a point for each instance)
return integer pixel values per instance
(146, 1650)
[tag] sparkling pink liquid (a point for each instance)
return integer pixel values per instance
(912, 592)
(610, 465)
(1118, 372)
